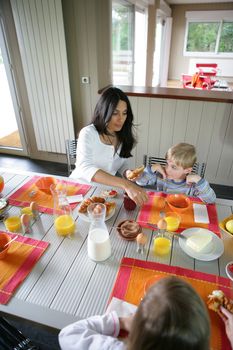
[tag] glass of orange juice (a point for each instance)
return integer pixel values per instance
(13, 223)
(64, 225)
(162, 244)
(173, 221)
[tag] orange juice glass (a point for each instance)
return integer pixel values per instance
(13, 224)
(173, 221)
(162, 245)
(64, 225)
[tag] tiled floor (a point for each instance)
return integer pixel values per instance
(40, 166)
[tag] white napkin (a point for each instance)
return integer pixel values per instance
(121, 307)
(200, 213)
(75, 199)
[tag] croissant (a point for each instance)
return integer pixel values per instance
(217, 299)
(109, 205)
(88, 201)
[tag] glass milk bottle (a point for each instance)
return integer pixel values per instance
(98, 242)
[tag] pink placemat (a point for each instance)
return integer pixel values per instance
(150, 213)
(20, 259)
(29, 193)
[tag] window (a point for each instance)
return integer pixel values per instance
(209, 34)
(129, 32)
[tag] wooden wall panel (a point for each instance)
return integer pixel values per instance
(207, 125)
(154, 132)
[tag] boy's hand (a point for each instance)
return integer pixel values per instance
(192, 178)
(227, 318)
(126, 322)
(159, 169)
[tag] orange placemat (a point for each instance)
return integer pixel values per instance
(21, 257)
(149, 213)
(23, 196)
(133, 275)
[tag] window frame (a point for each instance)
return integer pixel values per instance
(204, 16)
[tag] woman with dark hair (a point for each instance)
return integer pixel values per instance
(171, 316)
(105, 145)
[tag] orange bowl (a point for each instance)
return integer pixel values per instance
(44, 183)
(4, 238)
(178, 202)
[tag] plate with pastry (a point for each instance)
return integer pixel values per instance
(201, 244)
(82, 208)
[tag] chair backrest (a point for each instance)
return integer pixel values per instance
(71, 146)
(198, 168)
(12, 338)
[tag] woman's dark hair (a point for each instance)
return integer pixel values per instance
(171, 316)
(103, 113)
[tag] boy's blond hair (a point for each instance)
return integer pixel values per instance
(183, 154)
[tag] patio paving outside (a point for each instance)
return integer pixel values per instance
(8, 122)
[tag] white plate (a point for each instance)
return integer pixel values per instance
(228, 272)
(216, 252)
(86, 218)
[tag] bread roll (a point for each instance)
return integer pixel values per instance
(136, 172)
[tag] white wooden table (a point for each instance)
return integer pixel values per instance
(65, 285)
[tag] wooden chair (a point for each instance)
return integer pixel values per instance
(198, 168)
(71, 146)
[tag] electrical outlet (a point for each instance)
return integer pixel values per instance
(86, 80)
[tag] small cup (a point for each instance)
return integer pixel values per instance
(129, 204)
(173, 221)
(13, 223)
(4, 239)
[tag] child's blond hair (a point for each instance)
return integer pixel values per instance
(183, 154)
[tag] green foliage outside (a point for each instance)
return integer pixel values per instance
(226, 40)
(202, 37)
(121, 29)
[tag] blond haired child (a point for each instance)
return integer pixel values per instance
(176, 176)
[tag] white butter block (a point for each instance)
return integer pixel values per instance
(200, 213)
(75, 199)
(200, 242)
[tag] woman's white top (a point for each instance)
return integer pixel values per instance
(93, 155)
(93, 333)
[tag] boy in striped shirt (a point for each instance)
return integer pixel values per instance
(176, 176)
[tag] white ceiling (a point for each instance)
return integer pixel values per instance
(177, 2)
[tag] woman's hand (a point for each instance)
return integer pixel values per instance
(227, 318)
(136, 193)
(160, 169)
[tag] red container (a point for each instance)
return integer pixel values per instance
(129, 204)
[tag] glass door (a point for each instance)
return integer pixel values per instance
(12, 138)
(122, 42)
